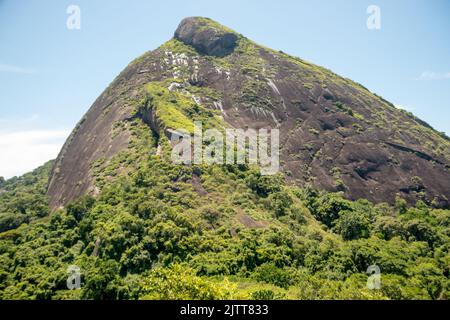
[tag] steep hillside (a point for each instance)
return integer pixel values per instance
(167, 231)
(139, 226)
(24, 199)
(335, 134)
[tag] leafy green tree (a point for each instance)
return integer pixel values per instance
(211, 215)
(263, 185)
(270, 273)
(280, 202)
(388, 227)
(101, 280)
(80, 207)
(181, 283)
(10, 221)
(400, 205)
(328, 206)
(428, 277)
(352, 225)
(422, 231)
(135, 259)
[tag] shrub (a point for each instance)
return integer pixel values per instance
(9, 221)
(211, 215)
(328, 206)
(180, 283)
(352, 225)
(389, 227)
(421, 231)
(270, 273)
(263, 185)
(80, 207)
(266, 295)
(280, 202)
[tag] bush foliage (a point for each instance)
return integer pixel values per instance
(219, 232)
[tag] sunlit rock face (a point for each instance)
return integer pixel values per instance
(206, 36)
(335, 135)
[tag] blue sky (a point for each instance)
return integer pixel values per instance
(50, 76)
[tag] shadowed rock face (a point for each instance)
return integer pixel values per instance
(334, 134)
(206, 36)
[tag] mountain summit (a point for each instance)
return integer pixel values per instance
(134, 224)
(334, 133)
(206, 36)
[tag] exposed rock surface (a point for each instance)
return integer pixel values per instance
(206, 36)
(335, 134)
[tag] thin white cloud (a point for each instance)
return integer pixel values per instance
(430, 76)
(23, 151)
(15, 69)
(8, 123)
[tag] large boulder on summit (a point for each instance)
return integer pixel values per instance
(206, 36)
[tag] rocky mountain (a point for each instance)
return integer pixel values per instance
(126, 222)
(335, 134)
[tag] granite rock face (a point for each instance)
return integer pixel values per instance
(334, 134)
(206, 36)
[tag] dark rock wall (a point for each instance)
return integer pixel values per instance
(335, 134)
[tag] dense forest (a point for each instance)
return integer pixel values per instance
(165, 231)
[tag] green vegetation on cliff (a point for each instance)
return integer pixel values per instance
(165, 231)
(155, 230)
